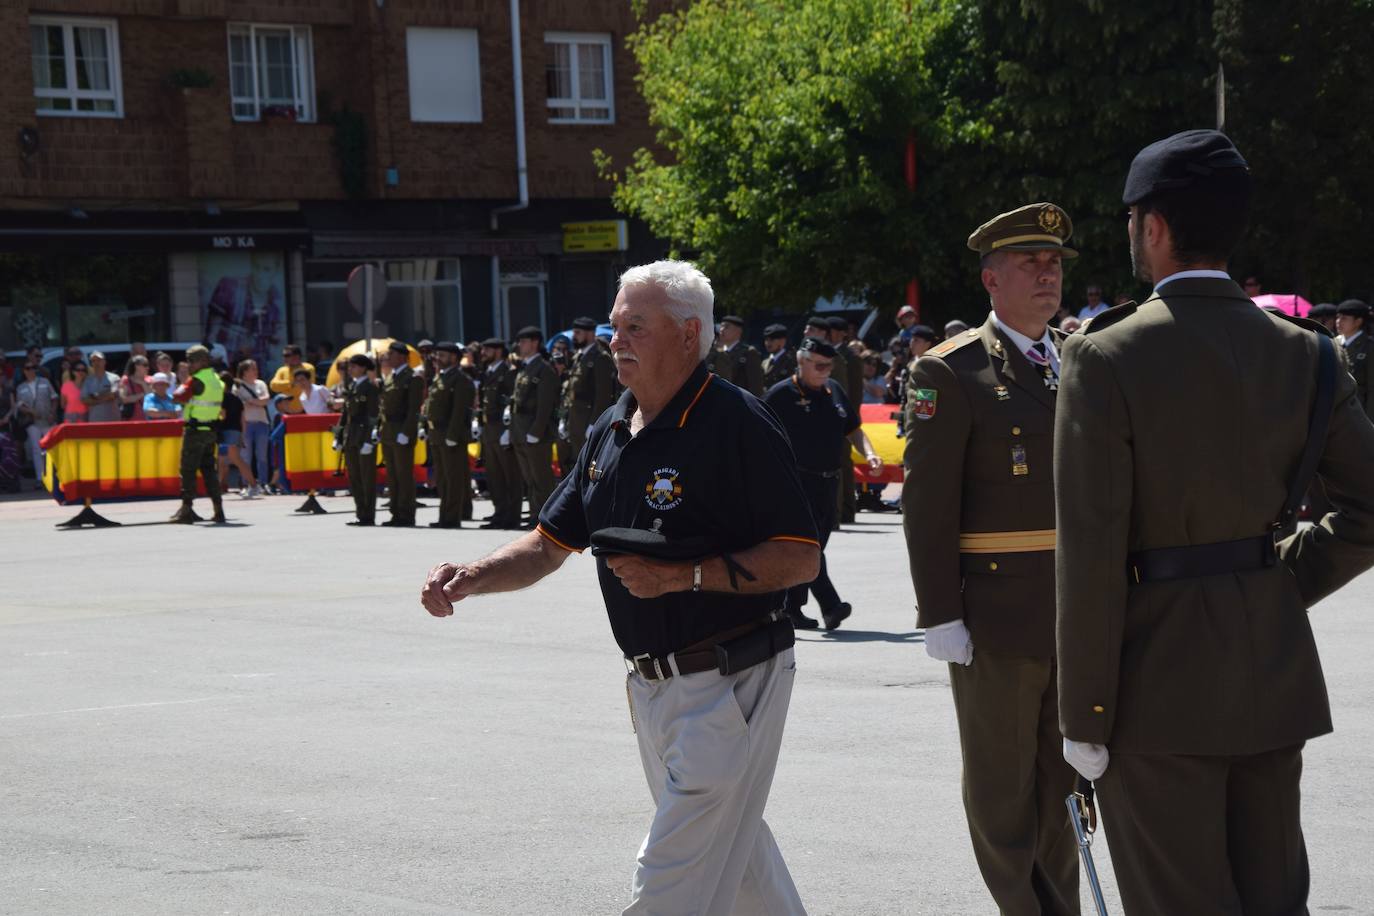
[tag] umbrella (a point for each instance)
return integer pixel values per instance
(379, 345)
(1288, 303)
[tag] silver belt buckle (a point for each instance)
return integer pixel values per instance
(633, 665)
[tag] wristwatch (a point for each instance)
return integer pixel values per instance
(696, 576)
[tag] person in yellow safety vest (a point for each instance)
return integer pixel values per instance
(202, 394)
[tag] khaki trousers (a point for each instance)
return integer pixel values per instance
(536, 470)
(709, 744)
(503, 479)
(1206, 836)
(1015, 783)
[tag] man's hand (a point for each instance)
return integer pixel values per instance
(645, 578)
(875, 465)
(1090, 760)
(447, 584)
(402, 439)
(950, 642)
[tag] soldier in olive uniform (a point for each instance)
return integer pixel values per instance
(1189, 679)
(358, 426)
(739, 363)
(532, 424)
(978, 511)
(448, 416)
(1352, 320)
(498, 456)
(588, 390)
(780, 362)
(852, 367)
(402, 394)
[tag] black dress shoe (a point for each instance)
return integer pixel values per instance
(397, 523)
(445, 525)
(359, 523)
(801, 622)
(836, 615)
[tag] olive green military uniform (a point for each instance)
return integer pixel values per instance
(449, 419)
(532, 415)
(978, 507)
(358, 422)
(498, 461)
(1203, 689)
(402, 394)
(199, 453)
(741, 365)
(840, 375)
(587, 392)
(1359, 354)
(777, 367)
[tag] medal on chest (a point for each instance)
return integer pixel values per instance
(1019, 468)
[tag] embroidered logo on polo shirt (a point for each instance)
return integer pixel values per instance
(663, 492)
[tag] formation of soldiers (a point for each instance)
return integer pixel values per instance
(515, 404)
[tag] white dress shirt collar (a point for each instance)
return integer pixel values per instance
(1189, 274)
(1024, 343)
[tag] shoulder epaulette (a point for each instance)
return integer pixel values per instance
(1110, 317)
(1306, 324)
(958, 341)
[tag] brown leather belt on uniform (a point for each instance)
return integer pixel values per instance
(696, 658)
(1200, 560)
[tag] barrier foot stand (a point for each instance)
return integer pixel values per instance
(312, 506)
(88, 516)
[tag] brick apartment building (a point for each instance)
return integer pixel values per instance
(172, 168)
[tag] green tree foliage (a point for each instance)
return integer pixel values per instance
(782, 126)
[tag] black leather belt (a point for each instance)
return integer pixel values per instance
(835, 473)
(700, 656)
(1202, 560)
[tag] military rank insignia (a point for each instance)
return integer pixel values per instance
(1019, 468)
(1001, 392)
(924, 403)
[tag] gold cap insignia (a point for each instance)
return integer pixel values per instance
(1050, 219)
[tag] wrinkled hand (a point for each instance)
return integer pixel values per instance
(448, 583)
(1090, 760)
(875, 466)
(402, 439)
(645, 578)
(950, 642)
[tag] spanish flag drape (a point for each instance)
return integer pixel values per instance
(118, 460)
(312, 463)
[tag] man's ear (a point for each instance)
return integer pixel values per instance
(692, 327)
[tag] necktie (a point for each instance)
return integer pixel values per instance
(1040, 356)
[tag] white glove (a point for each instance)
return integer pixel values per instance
(1090, 760)
(505, 415)
(335, 445)
(366, 449)
(422, 434)
(505, 437)
(562, 429)
(402, 439)
(950, 642)
(450, 443)
(476, 430)
(532, 440)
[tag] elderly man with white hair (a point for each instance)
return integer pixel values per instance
(687, 492)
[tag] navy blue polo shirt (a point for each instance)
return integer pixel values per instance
(816, 419)
(715, 463)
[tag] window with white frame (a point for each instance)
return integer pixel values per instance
(271, 72)
(578, 78)
(76, 66)
(445, 75)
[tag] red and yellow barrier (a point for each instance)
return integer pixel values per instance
(118, 460)
(880, 424)
(312, 463)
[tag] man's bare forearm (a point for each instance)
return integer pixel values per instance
(519, 564)
(775, 565)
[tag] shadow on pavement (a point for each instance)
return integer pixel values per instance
(864, 636)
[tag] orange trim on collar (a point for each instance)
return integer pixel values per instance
(545, 532)
(702, 390)
(787, 537)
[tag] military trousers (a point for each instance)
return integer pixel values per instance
(536, 471)
(820, 496)
(362, 481)
(1206, 836)
(199, 452)
(400, 479)
(709, 744)
(503, 479)
(451, 466)
(1015, 782)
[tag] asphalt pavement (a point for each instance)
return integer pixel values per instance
(260, 718)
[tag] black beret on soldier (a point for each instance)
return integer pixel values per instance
(529, 332)
(584, 324)
(817, 346)
(1190, 159)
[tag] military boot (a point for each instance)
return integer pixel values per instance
(185, 515)
(218, 518)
